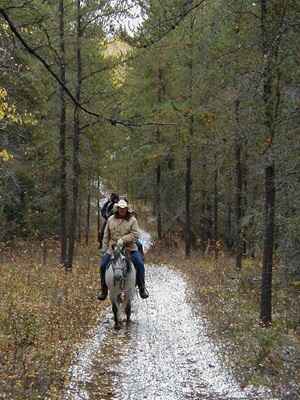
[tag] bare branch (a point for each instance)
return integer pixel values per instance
(171, 24)
(100, 117)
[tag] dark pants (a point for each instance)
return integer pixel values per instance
(137, 261)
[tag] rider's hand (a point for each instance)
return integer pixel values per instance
(112, 244)
(120, 243)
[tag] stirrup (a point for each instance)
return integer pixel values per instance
(143, 293)
(103, 294)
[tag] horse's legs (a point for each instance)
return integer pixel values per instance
(115, 311)
(128, 312)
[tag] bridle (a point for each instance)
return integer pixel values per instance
(121, 266)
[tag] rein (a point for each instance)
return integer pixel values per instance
(122, 265)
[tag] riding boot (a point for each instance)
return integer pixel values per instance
(104, 290)
(140, 280)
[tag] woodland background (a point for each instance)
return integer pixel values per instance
(194, 114)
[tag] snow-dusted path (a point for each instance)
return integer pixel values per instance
(164, 354)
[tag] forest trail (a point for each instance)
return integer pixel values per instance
(165, 354)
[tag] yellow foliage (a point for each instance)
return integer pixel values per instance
(208, 119)
(9, 112)
(5, 155)
(117, 49)
(3, 93)
(296, 284)
(4, 27)
(118, 77)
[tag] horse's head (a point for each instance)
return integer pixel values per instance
(119, 265)
(120, 278)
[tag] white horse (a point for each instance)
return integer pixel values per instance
(120, 278)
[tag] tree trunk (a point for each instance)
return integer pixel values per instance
(98, 211)
(62, 140)
(45, 252)
(188, 190)
(76, 139)
(188, 174)
(158, 201)
(88, 213)
(238, 188)
(209, 218)
(216, 206)
(266, 292)
(204, 230)
(268, 57)
(79, 216)
(160, 95)
(229, 225)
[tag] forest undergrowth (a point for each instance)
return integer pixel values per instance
(230, 301)
(44, 313)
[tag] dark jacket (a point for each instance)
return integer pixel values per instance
(107, 209)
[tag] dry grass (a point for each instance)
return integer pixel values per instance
(230, 301)
(44, 312)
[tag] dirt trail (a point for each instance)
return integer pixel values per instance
(165, 354)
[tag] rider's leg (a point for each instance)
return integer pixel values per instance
(140, 249)
(103, 265)
(137, 260)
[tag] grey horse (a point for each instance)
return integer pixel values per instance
(120, 278)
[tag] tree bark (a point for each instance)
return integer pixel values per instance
(98, 211)
(160, 95)
(266, 292)
(62, 140)
(79, 217)
(216, 206)
(158, 200)
(88, 213)
(188, 174)
(229, 225)
(188, 191)
(205, 226)
(238, 187)
(268, 57)
(76, 139)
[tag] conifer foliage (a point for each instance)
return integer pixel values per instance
(194, 112)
